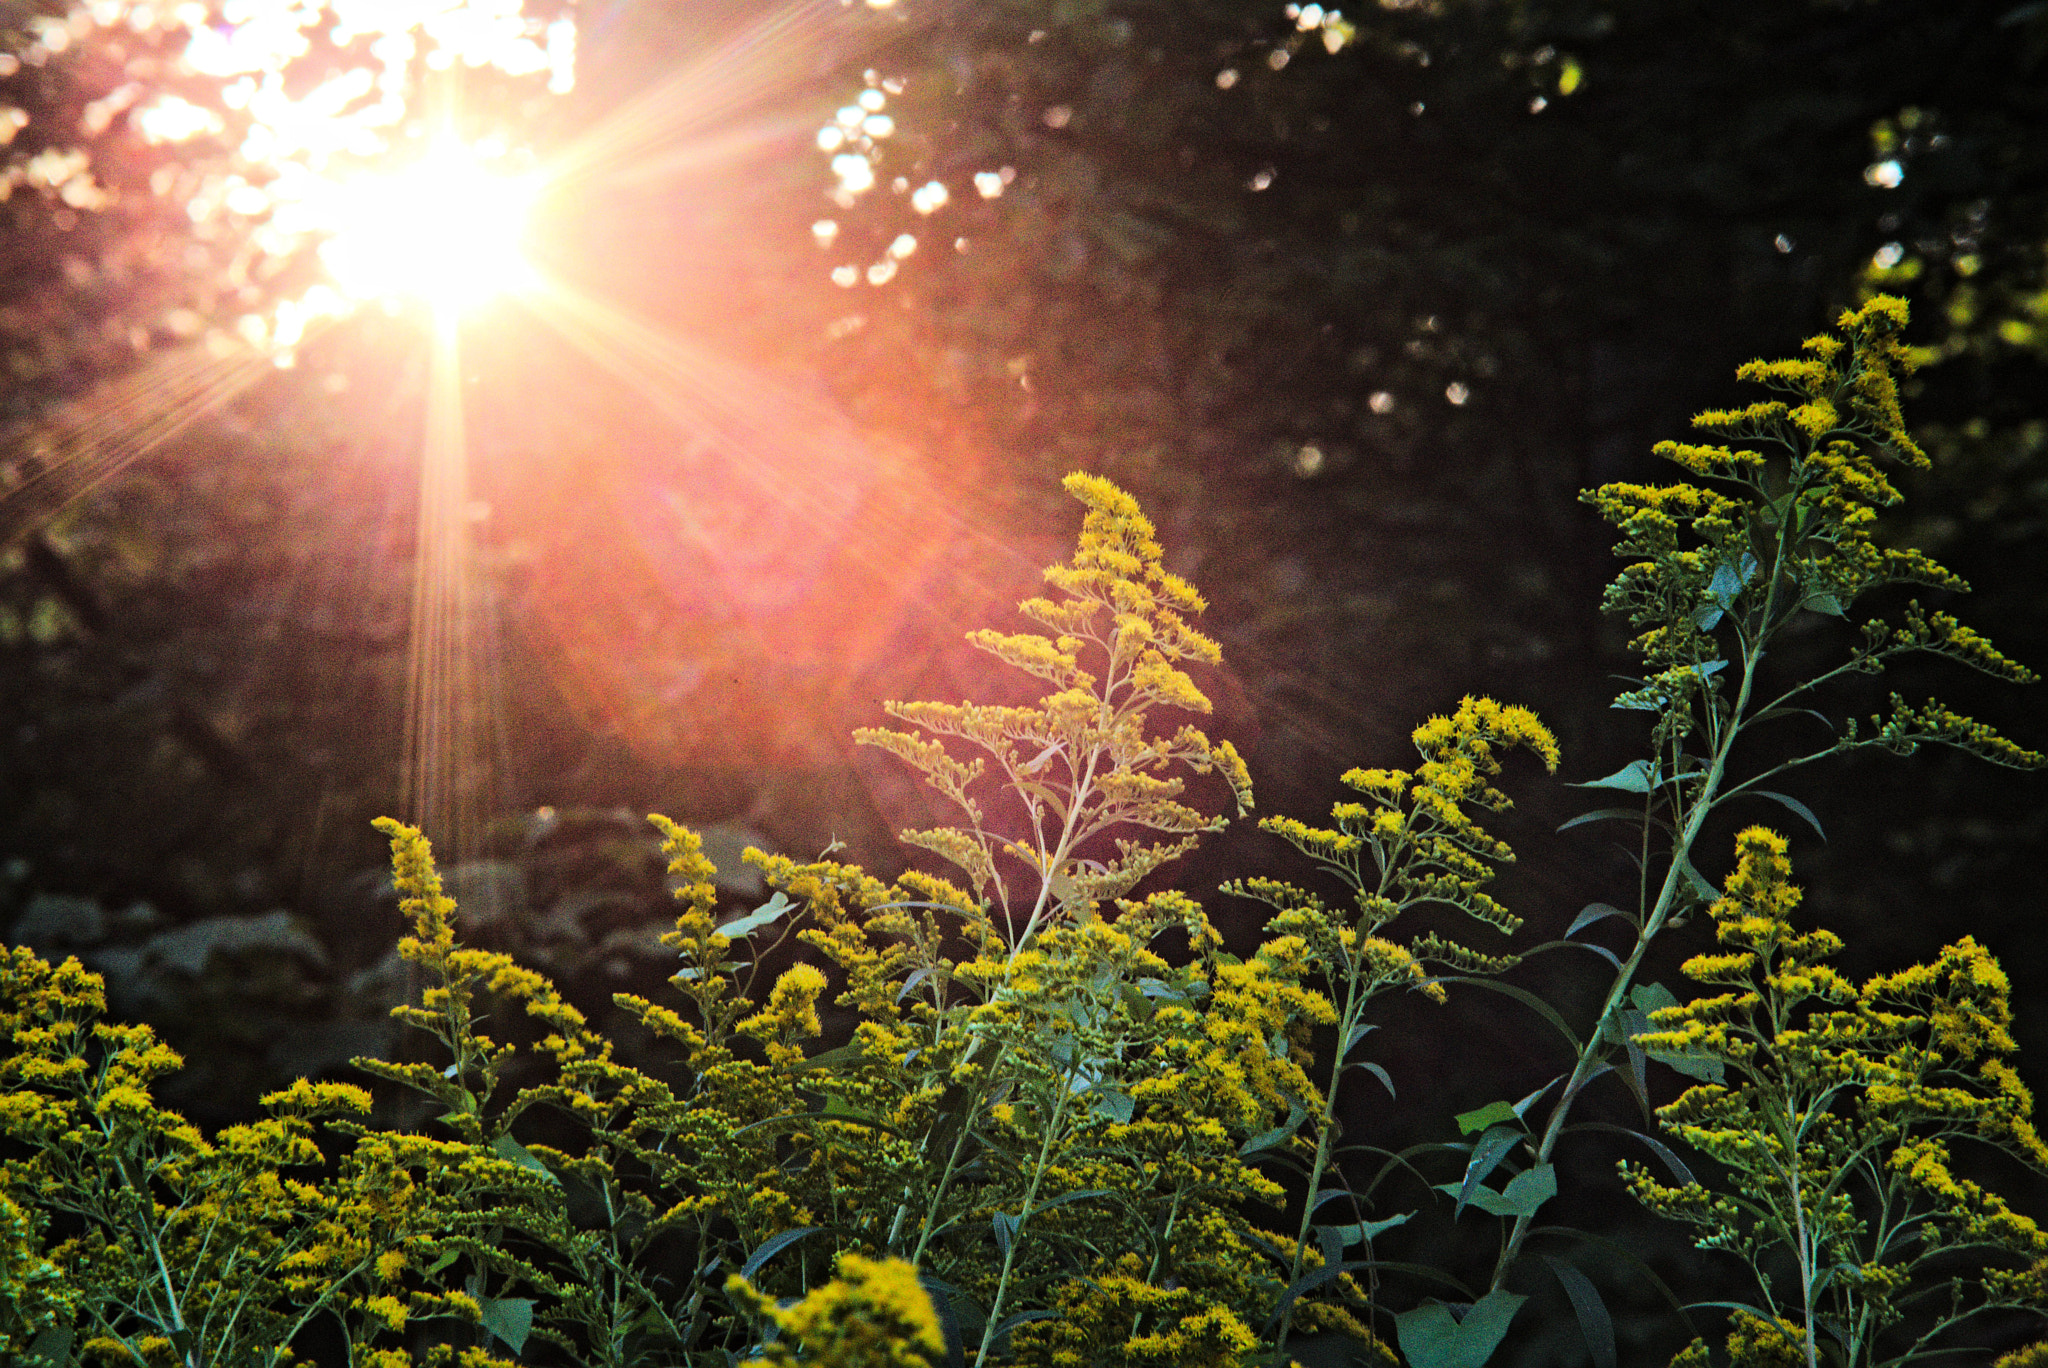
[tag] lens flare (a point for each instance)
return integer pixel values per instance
(445, 229)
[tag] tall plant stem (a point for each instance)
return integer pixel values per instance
(1038, 1167)
(1590, 1053)
(1354, 1003)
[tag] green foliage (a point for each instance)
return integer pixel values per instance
(1057, 1124)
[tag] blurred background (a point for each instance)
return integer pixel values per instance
(518, 420)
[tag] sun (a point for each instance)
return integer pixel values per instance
(445, 229)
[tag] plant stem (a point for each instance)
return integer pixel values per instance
(1354, 1003)
(1591, 1052)
(995, 1309)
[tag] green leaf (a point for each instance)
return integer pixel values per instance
(1432, 1337)
(834, 1057)
(510, 1319)
(1366, 1230)
(1604, 815)
(1386, 1079)
(1486, 1156)
(1527, 999)
(1591, 913)
(1006, 1230)
(1359, 1031)
(1796, 807)
(1595, 1325)
(1266, 1140)
(1729, 578)
(1527, 1192)
(1700, 883)
(766, 914)
(448, 1257)
(1116, 1105)
(1492, 1114)
(1704, 1067)
(916, 977)
(1652, 997)
(1638, 776)
(505, 1147)
(772, 1246)
(1823, 603)
(1010, 1323)
(1077, 1195)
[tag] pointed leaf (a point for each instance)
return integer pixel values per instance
(1797, 807)
(772, 1246)
(1010, 1323)
(1492, 1114)
(1266, 1140)
(764, 915)
(1523, 1196)
(946, 1299)
(1527, 999)
(1728, 580)
(1117, 1106)
(1367, 1230)
(1593, 912)
(1006, 1231)
(1823, 603)
(510, 1319)
(1359, 1031)
(835, 1057)
(1631, 1023)
(1326, 1196)
(505, 1147)
(1595, 1324)
(1486, 1156)
(1078, 1195)
(910, 982)
(1386, 1079)
(1602, 951)
(1774, 713)
(1521, 1108)
(1704, 1067)
(1652, 997)
(1604, 815)
(1432, 1338)
(1700, 883)
(1657, 1147)
(1638, 776)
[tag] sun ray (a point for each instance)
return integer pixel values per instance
(447, 769)
(51, 462)
(746, 69)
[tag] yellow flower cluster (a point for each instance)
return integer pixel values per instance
(1412, 842)
(1835, 1118)
(873, 1315)
(1083, 761)
(1788, 527)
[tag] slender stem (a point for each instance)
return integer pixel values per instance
(1590, 1053)
(1354, 1003)
(952, 1168)
(1804, 1249)
(995, 1309)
